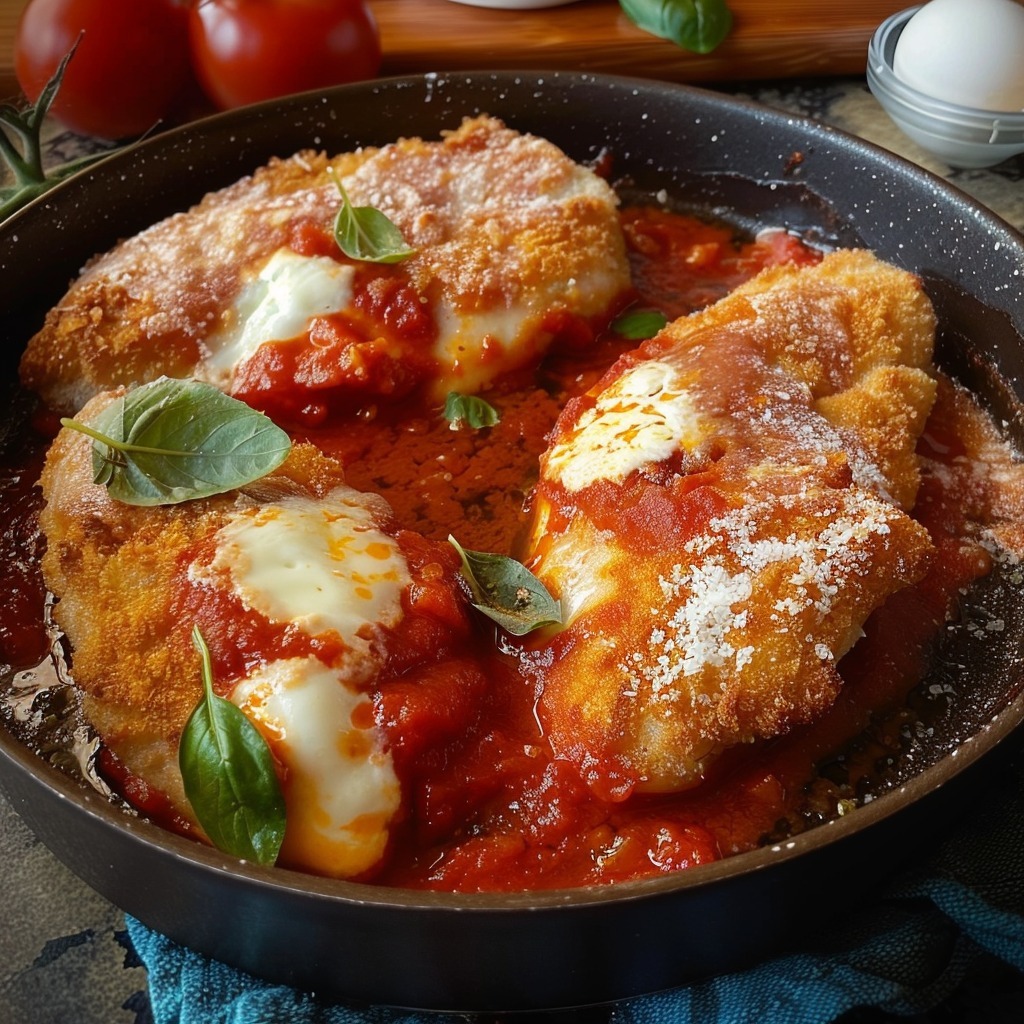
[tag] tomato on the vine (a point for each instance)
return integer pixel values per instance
(244, 51)
(130, 70)
(138, 61)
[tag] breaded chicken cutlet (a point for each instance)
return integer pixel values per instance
(721, 513)
(718, 516)
(305, 591)
(512, 243)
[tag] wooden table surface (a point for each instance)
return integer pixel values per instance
(770, 39)
(10, 11)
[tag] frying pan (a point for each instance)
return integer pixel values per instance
(527, 951)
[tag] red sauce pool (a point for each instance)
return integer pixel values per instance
(488, 806)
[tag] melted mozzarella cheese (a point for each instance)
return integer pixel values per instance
(470, 346)
(340, 786)
(326, 567)
(277, 305)
(323, 565)
(476, 345)
(642, 418)
(581, 566)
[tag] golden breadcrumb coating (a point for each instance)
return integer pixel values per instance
(115, 569)
(507, 232)
(723, 511)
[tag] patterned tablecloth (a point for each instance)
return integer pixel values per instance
(64, 955)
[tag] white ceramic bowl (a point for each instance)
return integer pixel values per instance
(961, 136)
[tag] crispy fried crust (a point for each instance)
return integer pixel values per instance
(722, 513)
(506, 229)
(115, 569)
(143, 309)
(858, 333)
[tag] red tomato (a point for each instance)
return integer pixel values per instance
(129, 71)
(250, 50)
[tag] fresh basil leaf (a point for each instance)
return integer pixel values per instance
(506, 591)
(175, 440)
(229, 775)
(364, 233)
(471, 410)
(639, 324)
(695, 25)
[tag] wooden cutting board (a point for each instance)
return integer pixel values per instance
(770, 39)
(10, 11)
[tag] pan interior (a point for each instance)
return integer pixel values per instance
(661, 139)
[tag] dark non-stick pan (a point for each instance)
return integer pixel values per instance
(725, 158)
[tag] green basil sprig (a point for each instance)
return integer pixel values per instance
(175, 440)
(507, 592)
(365, 233)
(695, 25)
(639, 324)
(471, 410)
(229, 775)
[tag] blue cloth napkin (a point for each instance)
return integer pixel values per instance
(903, 955)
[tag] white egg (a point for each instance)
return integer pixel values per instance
(969, 52)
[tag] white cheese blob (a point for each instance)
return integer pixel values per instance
(476, 345)
(581, 566)
(472, 348)
(277, 305)
(323, 565)
(340, 786)
(642, 418)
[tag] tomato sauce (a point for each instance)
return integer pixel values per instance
(488, 807)
(22, 640)
(382, 346)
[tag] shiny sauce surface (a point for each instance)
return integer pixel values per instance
(488, 806)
